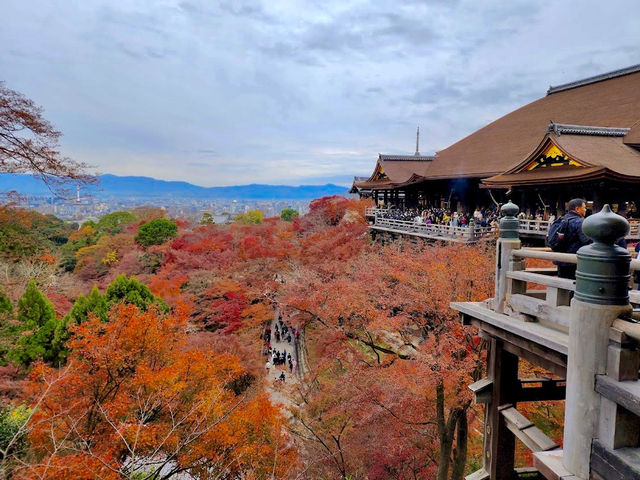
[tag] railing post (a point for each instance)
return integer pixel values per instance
(602, 281)
(507, 242)
(471, 234)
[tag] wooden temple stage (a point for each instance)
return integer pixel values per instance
(527, 229)
(584, 332)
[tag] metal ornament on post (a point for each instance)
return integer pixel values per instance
(507, 242)
(509, 224)
(602, 282)
(602, 276)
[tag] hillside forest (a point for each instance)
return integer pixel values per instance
(134, 347)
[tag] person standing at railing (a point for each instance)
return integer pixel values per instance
(574, 238)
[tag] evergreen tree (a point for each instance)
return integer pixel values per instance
(94, 304)
(156, 232)
(5, 302)
(287, 214)
(9, 329)
(37, 320)
(130, 290)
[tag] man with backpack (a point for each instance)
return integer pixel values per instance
(565, 235)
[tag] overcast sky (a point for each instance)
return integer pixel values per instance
(293, 92)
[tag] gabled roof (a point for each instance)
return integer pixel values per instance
(590, 152)
(594, 79)
(633, 137)
(354, 188)
(392, 171)
(608, 102)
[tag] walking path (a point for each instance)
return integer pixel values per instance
(275, 385)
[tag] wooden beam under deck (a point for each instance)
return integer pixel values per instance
(537, 343)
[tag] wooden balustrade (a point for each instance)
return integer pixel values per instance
(526, 227)
(529, 318)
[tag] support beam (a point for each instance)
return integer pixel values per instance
(499, 441)
(526, 391)
(526, 431)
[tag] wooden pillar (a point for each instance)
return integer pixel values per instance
(499, 441)
(618, 426)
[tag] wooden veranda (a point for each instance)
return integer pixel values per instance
(584, 331)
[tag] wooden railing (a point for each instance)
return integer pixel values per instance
(551, 304)
(470, 233)
(530, 317)
(527, 227)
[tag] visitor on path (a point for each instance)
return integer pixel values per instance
(281, 378)
(267, 366)
(294, 365)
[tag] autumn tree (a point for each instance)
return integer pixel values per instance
(156, 232)
(390, 322)
(206, 219)
(252, 217)
(136, 401)
(30, 144)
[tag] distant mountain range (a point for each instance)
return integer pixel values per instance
(145, 187)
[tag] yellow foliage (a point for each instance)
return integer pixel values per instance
(110, 258)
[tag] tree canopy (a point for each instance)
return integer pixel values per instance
(30, 144)
(252, 217)
(137, 401)
(156, 232)
(287, 214)
(38, 322)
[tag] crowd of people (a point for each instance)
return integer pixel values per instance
(483, 217)
(280, 359)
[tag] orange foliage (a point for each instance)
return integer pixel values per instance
(134, 399)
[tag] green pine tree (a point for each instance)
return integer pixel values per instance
(131, 291)
(9, 328)
(5, 302)
(37, 320)
(94, 304)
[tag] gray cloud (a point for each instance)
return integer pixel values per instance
(246, 91)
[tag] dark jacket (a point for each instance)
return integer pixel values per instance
(574, 236)
(573, 233)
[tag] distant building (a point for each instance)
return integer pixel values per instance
(581, 139)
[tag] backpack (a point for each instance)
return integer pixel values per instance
(557, 238)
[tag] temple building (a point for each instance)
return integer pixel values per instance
(582, 139)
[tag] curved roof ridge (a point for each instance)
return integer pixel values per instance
(569, 129)
(594, 79)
